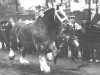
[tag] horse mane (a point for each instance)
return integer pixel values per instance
(49, 21)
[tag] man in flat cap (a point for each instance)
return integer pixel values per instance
(73, 41)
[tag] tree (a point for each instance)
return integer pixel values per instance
(97, 6)
(49, 1)
(12, 6)
(2, 9)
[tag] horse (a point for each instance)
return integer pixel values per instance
(40, 33)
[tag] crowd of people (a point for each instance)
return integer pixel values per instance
(75, 43)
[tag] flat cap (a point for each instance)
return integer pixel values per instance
(72, 16)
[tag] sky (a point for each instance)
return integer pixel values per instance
(29, 3)
(26, 4)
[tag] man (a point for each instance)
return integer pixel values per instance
(73, 42)
(83, 41)
(40, 12)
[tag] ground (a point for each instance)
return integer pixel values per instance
(63, 67)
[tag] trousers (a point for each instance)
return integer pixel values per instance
(74, 47)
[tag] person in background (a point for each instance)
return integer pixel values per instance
(39, 12)
(97, 51)
(83, 41)
(12, 21)
(73, 41)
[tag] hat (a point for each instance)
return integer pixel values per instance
(72, 16)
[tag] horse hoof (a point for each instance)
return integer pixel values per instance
(24, 61)
(11, 57)
(46, 71)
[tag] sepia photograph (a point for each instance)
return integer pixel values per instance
(49, 37)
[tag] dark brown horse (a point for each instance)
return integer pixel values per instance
(42, 33)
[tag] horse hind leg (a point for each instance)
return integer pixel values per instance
(11, 54)
(43, 64)
(13, 48)
(22, 59)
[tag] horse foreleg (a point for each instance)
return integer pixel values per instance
(44, 67)
(11, 54)
(43, 64)
(22, 58)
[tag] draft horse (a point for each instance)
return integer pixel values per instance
(41, 33)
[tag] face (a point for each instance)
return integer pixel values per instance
(72, 20)
(83, 23)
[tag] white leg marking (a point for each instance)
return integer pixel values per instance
(24, 61)
(11, 54)
(43, 64)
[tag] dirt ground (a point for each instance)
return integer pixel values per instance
(63, 67)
